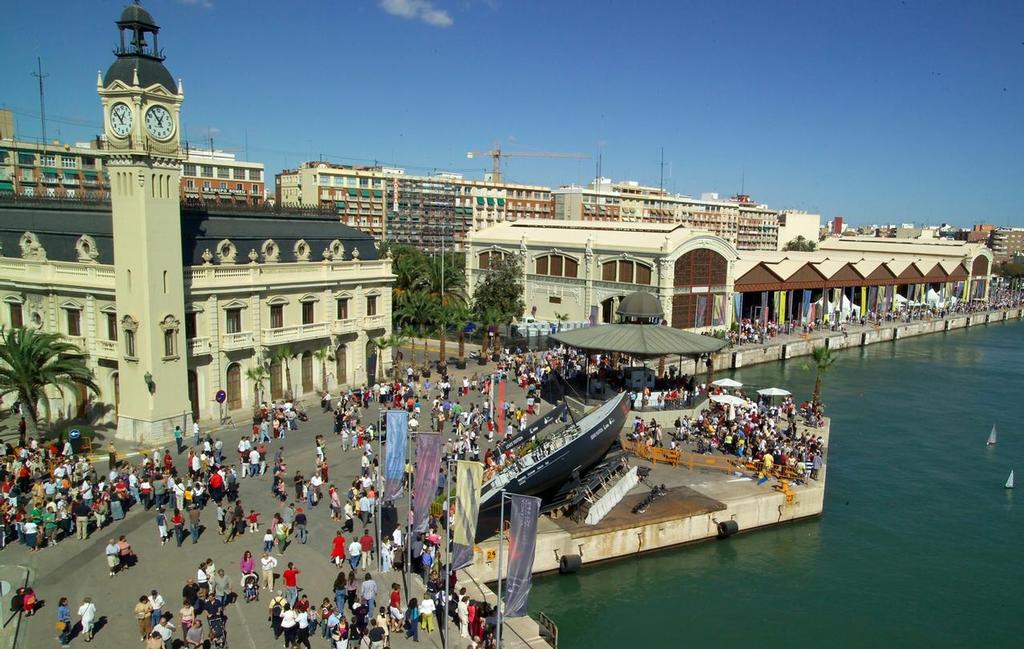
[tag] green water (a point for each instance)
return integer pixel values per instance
(919, 546)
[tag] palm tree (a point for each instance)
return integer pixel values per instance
(323, 355)
(32, 361)
(561, 317)
(282, 355)
(491, 317)
(258, 375)
(409, 266)
(394, 342)
(823, 360)
(459, 315)
(417, 311)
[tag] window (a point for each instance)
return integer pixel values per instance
(238, 187)
(255, 189)
(238, 173)
(488, 259)
(233, 324)
(342, 308)
(17, 322)
(276, 316)
(189, 169)
(223, 172)
(170, 343)
(371, 305)
(626, 271)
(190, 184)
(48, 160)
(74, 322)
(554, 300)
(308, 312)
(68, 162)
(608, 271)
(129, 343)
(26, 158)
(207, 171)
(557, 266)
(223, 186)
(255, 174)
(190, 325)
(111, 326)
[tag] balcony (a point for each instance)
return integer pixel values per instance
(347, 326)
(296, 332)
(237, 340)
(106, 349)
(199, 346)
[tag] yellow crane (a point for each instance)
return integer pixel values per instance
(496, 154)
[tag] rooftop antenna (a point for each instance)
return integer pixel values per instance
(661, 179)
(42, 103)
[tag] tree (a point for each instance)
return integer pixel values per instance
(446, 283)
(801, 244)
(498, 297)
(823, 360)
(283, 355)
(410, 268)
(323, 355)
(491, 318)
(460, 315)
(561, 317)
(418, 312)
(32, 361)
(258, 375)
(394, 341)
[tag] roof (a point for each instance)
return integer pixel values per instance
(135, 14)
(577, 234)
(641, 341)
(151, 72)
(58, 225)
(916, 247)
(640, 305)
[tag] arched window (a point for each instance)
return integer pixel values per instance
(557, 266)
(626, 271)
(489, 258)
(701, 268)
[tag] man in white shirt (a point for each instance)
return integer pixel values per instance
(195, 433)
(267, 564)
(254, 463)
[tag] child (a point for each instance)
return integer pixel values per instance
(254, 517)
(268, 541)
(161, 525)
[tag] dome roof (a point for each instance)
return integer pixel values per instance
(640, 305)
(134, 13)
(151, 71)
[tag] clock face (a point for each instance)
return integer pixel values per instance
(159, 122)
(121, 119)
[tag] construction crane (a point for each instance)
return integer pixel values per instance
(496, 154)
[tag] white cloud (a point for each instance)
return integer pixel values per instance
(417, 10)
(205, 4)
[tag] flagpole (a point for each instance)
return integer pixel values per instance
(447, 547)
(501, 536)
(379, 504)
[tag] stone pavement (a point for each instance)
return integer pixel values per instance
(77, 569)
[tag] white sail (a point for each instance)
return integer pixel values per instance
(1009, 481)
(992, 437)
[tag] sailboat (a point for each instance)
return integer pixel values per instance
(991, 437)
(1009, 481)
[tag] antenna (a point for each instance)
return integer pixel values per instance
(661, 177)
(42, 103)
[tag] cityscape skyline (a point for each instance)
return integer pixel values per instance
(808, 123)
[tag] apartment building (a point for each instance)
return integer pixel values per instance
(739, 220)
(215, 176)
(426, 211)
(1006, 243)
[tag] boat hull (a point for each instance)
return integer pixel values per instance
(547, 476)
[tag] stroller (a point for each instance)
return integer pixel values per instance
(218, 631)
(251, 587)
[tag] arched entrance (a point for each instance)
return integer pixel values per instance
(234, 386)
(341, 364)
(193, 393)
(276, 380)
(371, 362)
(700, 282)
(307, 372)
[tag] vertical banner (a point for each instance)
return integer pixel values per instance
(522, 543)
(469, 478)
(718, 315)
(805, 313)
(499, 406)
(702, 305)
(764, 307)
(394, 456)
(863, 300)
(782, 307)
(738, 300)
(428, 469)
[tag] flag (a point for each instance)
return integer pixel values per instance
(469, 478)
(500, 408)
(428, 468)
(738, 299)
(394, 458)
(522, 543)
(702, 303)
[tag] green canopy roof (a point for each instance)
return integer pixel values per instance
(641, 341)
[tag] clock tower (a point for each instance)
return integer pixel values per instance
(141, 110)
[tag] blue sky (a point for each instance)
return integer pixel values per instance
(877, 111)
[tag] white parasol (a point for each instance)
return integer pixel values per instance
(727, 383)
(774, 392)
(728, 400)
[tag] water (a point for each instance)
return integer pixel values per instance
(919, 545)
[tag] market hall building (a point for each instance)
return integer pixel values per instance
(576, 274)
(170, 304)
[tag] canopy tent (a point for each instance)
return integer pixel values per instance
(727, 383)
(639, 341)
(774, 392)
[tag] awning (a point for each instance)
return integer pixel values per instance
(50, 170)
(339, 205)
(353, 192)
(479, 200)
(89, 174)
(501, 201)
(6, 185)
(70, 173)
(490, 201)
(641, 341)
(378, 193)
(366, 193)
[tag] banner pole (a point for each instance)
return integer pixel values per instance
(501, 536)
(447, 548)
(408, 510)
(378, 483)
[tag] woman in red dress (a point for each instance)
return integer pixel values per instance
(338, 549)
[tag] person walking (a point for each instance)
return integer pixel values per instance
(221, 587)
(193, 523)
(427, 607)
(112, 552)
(267, 565)
(87, 613)
(143, 609)
(291, 586)
(64, 622)
(156, 607)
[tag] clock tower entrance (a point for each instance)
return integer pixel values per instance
(141, 110)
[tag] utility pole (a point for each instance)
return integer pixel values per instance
(42, 103)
